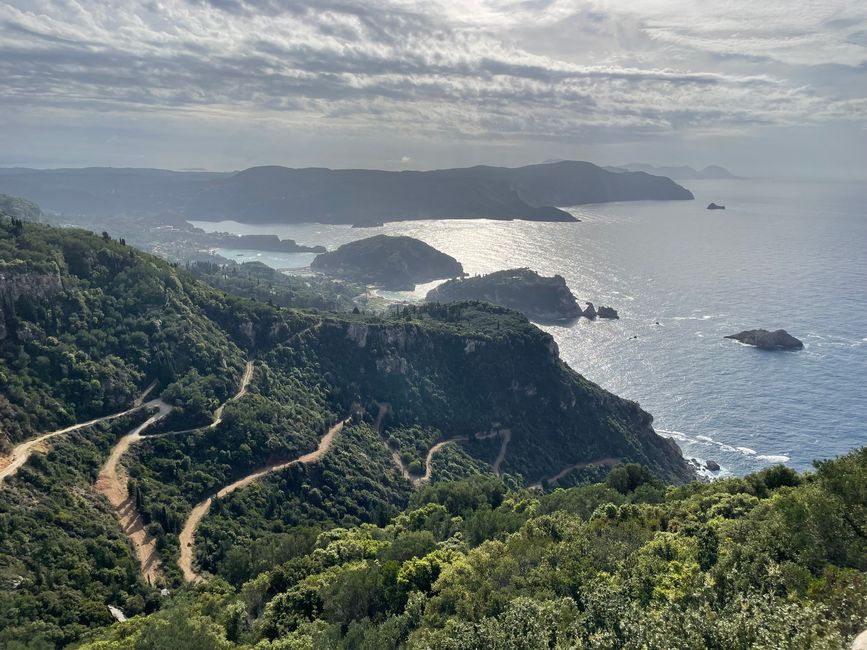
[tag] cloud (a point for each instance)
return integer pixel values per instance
(476, 70)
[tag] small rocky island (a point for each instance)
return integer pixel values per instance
(591, 313)
(395, 263)
(544, 299)
(714, 206)
(765, 340)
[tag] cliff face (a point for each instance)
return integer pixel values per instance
(440, 371)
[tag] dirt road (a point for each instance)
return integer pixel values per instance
(242, 390)
(9, 465)
(606, 462)
(187, 537)
(506, 435)
(111, 483)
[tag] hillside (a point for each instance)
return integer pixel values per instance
(89, 324)
(264, 283)
(397, 263)
(771, 560)
(344, 196)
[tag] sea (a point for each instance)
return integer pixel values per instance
(783, 254)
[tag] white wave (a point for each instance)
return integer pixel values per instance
(772, 458)
(705, 317)
(706, 440)
(678, 435)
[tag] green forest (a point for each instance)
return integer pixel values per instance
(345, 551)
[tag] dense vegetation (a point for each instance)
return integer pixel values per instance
(62, 554)
(773, 560)
(86, 323)
(260, 282)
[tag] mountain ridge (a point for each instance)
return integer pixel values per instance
(275, 194)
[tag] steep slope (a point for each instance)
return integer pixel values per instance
(463, 366)
(85, 323)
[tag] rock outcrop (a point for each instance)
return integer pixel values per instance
(712, 465)
(765, 340)
(590, 312)
(607, 312)
(714, 206)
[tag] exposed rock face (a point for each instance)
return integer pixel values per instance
(714, 206)
(590, 311)
(543, 299)
(777, 340)
(607, 312)
(712, 465)
(396, 263)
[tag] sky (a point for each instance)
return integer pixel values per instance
(764, 87)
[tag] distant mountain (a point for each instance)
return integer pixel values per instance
(350, 196)
(684, 172)
(105, 191)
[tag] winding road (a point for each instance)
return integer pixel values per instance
(606, 462)
(112, 484)
(428, 469)
(506, 434)
(242, 390)
(9, 465)
(187, 537)
(113, 487)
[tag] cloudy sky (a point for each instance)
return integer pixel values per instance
(770, 87)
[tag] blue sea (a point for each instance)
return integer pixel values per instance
(789, 255)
